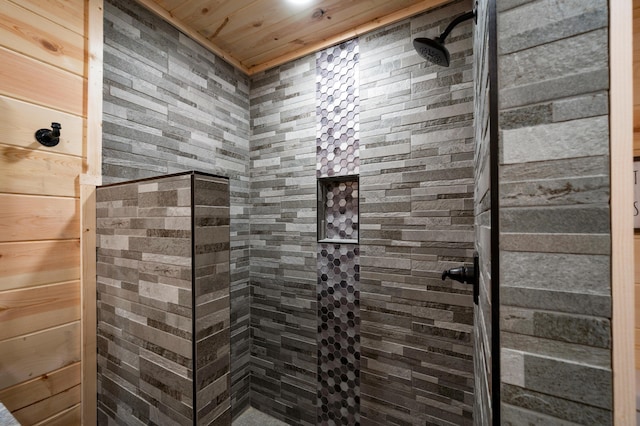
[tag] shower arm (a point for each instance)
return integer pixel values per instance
(451, 26)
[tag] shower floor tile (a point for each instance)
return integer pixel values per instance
(253, 417)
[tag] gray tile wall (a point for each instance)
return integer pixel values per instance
(416, 219)
(283, 242)
(212, 311)
(417, 125)
(417, 183)
(148, 372)
(555, 260)
(482, 325)
(171, 106)
(144, 302)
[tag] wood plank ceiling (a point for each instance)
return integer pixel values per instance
(255, 35)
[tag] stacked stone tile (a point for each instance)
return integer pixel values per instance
(211, 295)
(170, 106)
(283, 245)
(482, 321)
(555, 288)
(416, 220)
(140, 140)
(163, 301)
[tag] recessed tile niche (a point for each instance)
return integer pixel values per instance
(163, 301)
(338, 210)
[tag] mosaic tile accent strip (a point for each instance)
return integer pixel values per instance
(338, 334)
(340, 212)
(338, 110)
(147, 283)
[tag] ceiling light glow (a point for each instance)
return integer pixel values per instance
(299, 2)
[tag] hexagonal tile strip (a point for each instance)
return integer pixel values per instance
(338, 110)
(338, 334)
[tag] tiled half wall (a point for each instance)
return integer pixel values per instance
(163, 301)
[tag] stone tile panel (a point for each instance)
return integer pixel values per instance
(283, 245)
(416, 218)
(557, 202)
(149, 317)
(172, 106)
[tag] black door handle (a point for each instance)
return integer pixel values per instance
(466, 275)
(463, 274)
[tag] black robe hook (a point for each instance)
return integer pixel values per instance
(49, 137)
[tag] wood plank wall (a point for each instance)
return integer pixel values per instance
(636, 153)
(636, 78)
(42, 80)
(621, 125)
(636, 250)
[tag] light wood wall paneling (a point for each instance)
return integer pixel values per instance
(93, 144)
(637, 338)
(30, 218)
(621, 137)
(636, 255)
(21, 120)
(636, 79)
(637, 327)
(27, 171)
(69, 417)
(28, 356)
(43, 52)
(68, 13)
(89, 317)
(89, 181)
(29, 264)
(32, 81)
(42, 387)
(33, 309)
(26, 32)
(46, 408)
